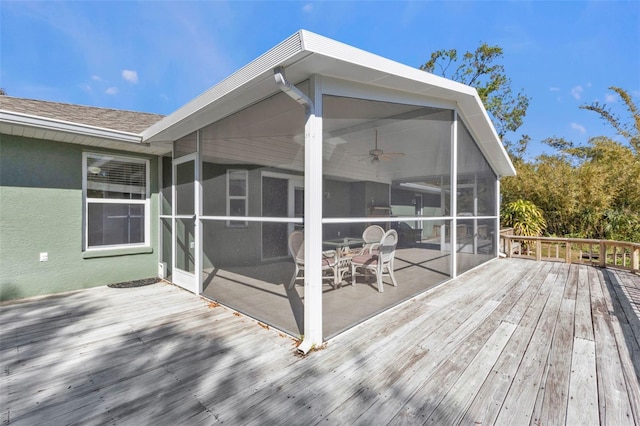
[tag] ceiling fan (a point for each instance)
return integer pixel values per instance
(378, 154)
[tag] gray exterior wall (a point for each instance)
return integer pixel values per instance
(41, 210)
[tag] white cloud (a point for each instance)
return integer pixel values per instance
(610, 98)
(307, 8)
(577, 92)
(96, 78)
(554, 89)
(579, 127)
(130, 76)
(111, 91)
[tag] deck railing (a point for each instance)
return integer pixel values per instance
(603, 253)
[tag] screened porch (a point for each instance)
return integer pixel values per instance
(234, 190)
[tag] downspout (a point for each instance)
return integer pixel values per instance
(308, 342)
(293, 91)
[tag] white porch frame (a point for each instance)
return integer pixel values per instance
(313, 201)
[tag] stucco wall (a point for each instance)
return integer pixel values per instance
(41, 212)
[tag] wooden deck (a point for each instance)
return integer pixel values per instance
(512, 342)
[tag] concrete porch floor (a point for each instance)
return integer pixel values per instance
(261, 291)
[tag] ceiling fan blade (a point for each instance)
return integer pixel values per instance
(391, 155)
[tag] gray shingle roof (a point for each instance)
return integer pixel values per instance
(114, 119)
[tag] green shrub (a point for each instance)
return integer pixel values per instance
(524, 217)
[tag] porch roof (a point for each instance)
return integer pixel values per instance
(305, 54)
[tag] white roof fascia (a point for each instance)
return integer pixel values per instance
(385, 67)
(51, 124)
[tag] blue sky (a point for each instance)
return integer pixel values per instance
(155, 56)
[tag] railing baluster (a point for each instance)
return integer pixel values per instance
(623, 254)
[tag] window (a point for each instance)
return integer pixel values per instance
(116, 192)
(237, 198)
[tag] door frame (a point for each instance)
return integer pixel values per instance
(293, 182)
(185, 279)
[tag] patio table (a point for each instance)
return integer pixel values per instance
(343, 246)
(340, 243)
(345, 255)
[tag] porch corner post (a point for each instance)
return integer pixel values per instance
(313, 221)
(198, 213)
(312, 205)
(453, 233)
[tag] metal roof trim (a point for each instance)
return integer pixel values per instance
(28, 120)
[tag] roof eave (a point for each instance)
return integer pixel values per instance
(27, 120)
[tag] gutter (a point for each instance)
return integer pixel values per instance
(305, 346)
(19, 119)
(291, 90)
(307, 343)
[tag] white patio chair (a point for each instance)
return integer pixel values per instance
(379, 260)
(329, 259)
(372, 235)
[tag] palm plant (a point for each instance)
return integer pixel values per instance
(524, 217)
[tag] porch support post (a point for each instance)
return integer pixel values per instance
(197, 209)
(312, 205)
(313, 222)
(453, 234)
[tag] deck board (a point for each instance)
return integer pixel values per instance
(583, 408)
(512, 342)
(625, 337)
(542, 315)
(556, 388)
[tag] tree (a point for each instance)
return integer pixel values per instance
(481, 70)
(2, 92)
(629, 130)
(586, 191)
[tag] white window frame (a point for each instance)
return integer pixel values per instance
(245, 197)
(146, 201)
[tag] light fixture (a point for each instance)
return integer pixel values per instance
(94, 169)
(375, 161)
